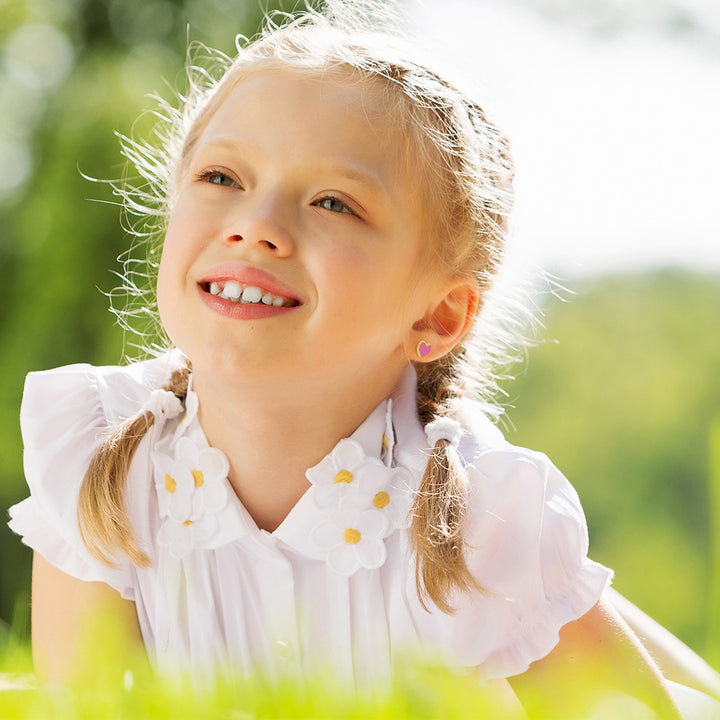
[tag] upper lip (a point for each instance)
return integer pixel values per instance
(249, 275)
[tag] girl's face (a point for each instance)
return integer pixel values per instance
(297, 195)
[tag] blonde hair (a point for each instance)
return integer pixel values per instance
(467, 171)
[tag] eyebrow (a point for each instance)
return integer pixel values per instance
(356, 174)
(353, 172)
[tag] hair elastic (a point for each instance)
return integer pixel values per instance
(444, 428)
(163, 404)
(423, 349)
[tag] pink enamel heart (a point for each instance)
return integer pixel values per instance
(423, 349)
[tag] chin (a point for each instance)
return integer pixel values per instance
(231, 364)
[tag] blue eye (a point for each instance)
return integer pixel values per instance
(333, 204)
(219, 180)
(216, 177)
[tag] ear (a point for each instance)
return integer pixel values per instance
(445, 323)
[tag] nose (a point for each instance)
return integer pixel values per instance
(263, 225)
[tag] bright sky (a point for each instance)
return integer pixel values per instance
(616, 139)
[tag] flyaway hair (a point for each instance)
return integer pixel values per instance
(463, 168)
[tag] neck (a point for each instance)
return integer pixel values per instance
(272, 434)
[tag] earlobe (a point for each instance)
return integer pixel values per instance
(445, 323)
(423, 349)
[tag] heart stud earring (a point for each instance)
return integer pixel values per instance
(423, 349)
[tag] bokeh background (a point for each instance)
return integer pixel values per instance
(613, 108)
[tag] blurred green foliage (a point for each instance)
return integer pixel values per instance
(622, 401)
(71, 73)
(713, 636)
(109, 685)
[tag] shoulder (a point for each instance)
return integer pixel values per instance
(111, 393)
(502, 473)
(526, 542)
(66, 413)
(521, 506)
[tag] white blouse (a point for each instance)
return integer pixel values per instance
(333, 587)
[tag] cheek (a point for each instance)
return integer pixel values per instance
(176, 249)
(163, 288)
(334, 265)
(376, 288)
(170, 271)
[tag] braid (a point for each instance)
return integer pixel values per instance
(436, 531)
(104, 525)
(462, 169)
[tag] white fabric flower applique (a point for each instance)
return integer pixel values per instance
(340, 472)
(366, 501)
(191, 410)
(353, 539)
(192, 489)
(388, 490)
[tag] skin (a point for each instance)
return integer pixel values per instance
(597, 655)
(72, 619)
(297, 180)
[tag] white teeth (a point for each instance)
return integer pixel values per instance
(232, 290)
(252, 294)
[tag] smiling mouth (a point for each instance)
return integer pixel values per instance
(246, 294)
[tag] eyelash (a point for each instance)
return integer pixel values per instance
(206, 175)
(346, 211)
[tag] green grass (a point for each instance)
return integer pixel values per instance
(419, 693)
(106, 690)
(713, 639)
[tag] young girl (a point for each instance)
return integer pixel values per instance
(304, 480)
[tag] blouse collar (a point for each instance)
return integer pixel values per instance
(359, 494)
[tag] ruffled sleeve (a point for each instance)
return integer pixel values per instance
(527, 548)
(65, 415)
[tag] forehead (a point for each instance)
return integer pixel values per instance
(335, 114)
(347, 119)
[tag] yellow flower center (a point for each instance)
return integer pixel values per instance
(170, 484)
(344, 476)
(352, 536)
(199, 480)
(381, 500)
(188, 523)
(385, 442)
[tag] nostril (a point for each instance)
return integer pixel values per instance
(239, 238)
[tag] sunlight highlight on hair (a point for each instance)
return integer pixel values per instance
(464, 172)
